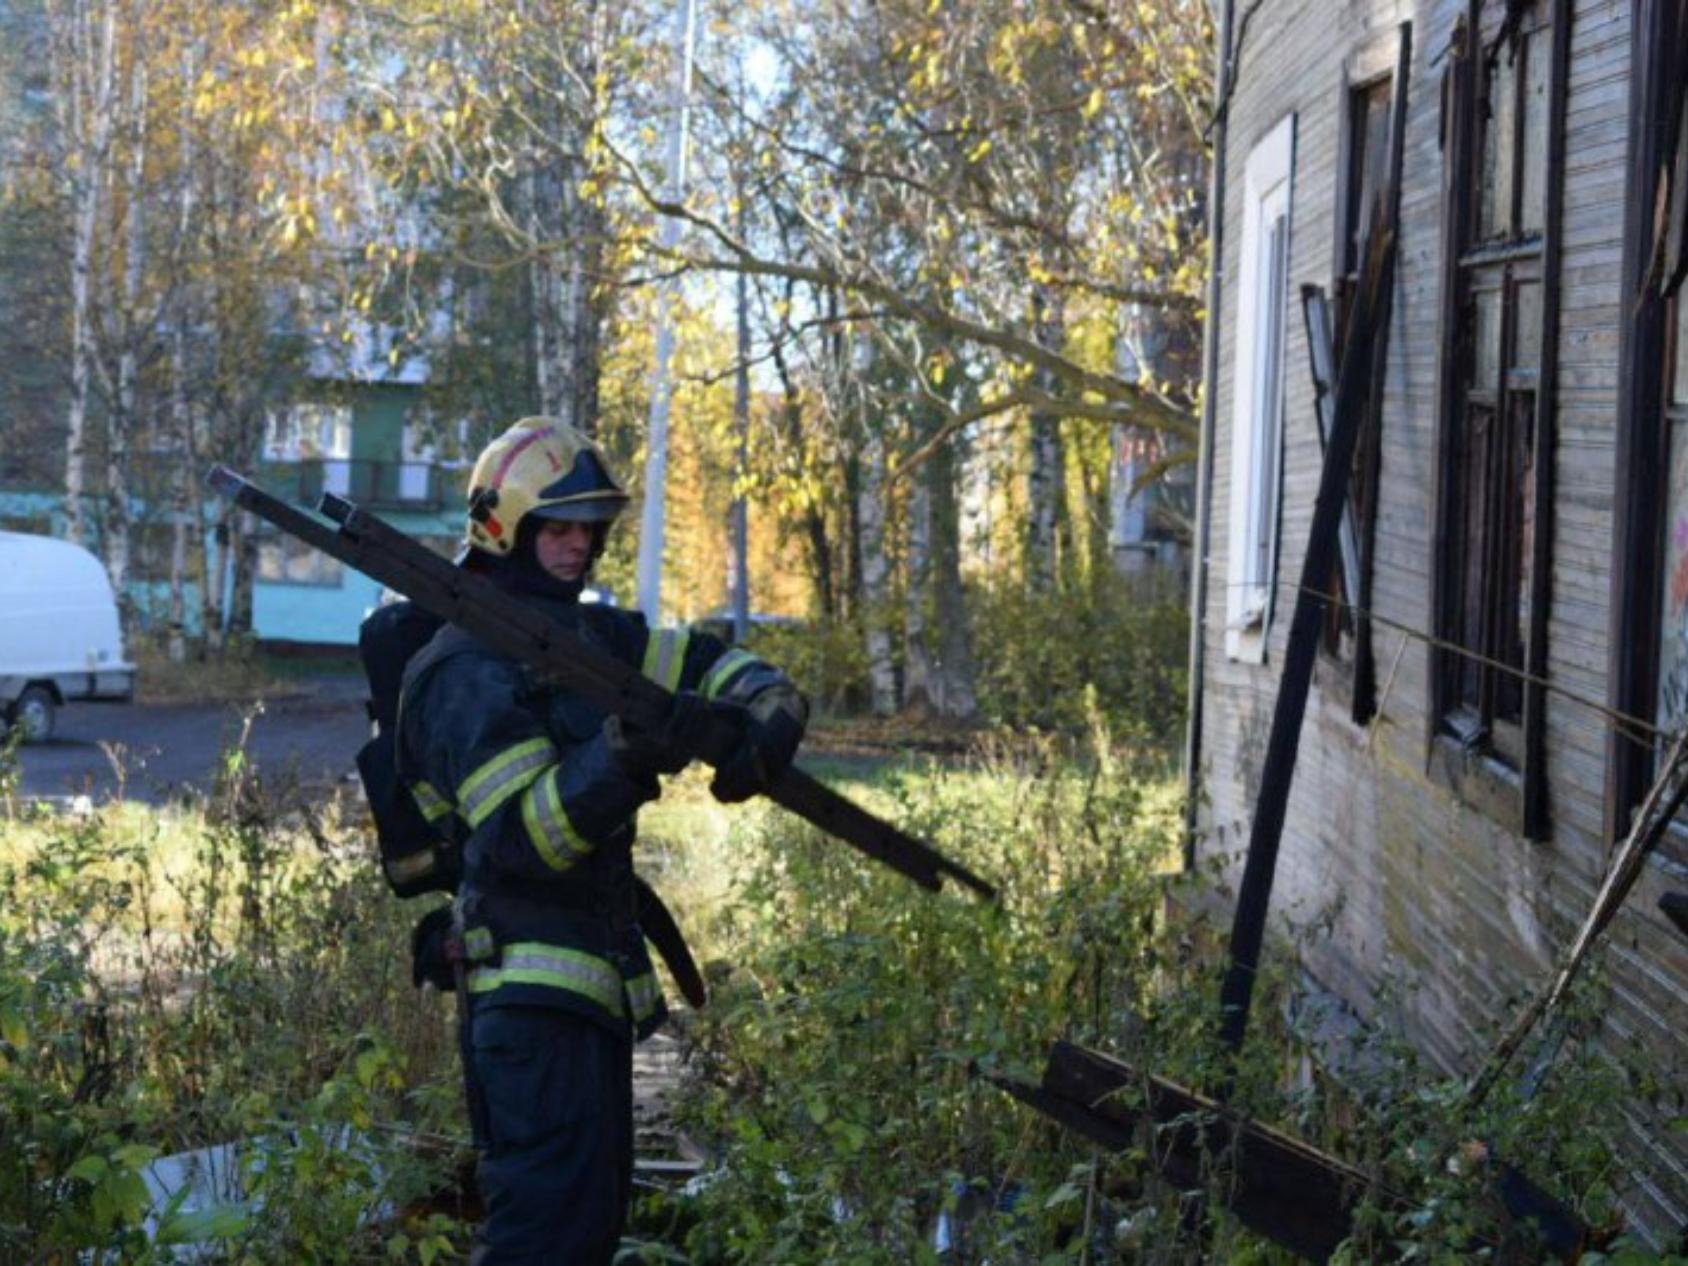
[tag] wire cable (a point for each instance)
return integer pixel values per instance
(1637, 730)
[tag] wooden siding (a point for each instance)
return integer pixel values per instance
(1416, 881)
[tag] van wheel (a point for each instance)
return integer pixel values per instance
(36, 714)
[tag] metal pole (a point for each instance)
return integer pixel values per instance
(653, 519)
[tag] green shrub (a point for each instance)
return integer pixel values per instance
(842, 1057)
(838, 1070)
(828, 660)
(1118, 646)
(176, 980)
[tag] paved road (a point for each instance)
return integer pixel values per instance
(165, 749)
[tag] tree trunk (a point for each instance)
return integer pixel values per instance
(952, 683)
(814, 512)
(89, 80)
(214, 557)
(181, 446)
(876, 574)
(181, 487)
(1044, 481)
(123, 418)
(1128, 518)
(851, 598)
(918, 692)
(583, 310)
(535, 190)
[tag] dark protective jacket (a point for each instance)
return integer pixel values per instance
(519, 773)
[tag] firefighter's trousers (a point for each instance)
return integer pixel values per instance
(556, 1165)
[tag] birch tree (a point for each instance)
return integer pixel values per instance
(872, 519)
(85, 55)
(131, 330)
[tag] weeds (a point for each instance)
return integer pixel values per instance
(837, 1083)
(170, 981)
(235, 974)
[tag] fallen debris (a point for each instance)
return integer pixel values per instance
(1294, 1194)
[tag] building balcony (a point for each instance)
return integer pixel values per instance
(419, 486)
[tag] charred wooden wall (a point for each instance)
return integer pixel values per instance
(1421, 880)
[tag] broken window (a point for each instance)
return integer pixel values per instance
(1365, 168)
(1366, 165)
(1673, 640)
(1258, 393)
(1499, 149)
(285, 560)
(1650, 545)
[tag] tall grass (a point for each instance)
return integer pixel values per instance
(173, 979)
(176, 978)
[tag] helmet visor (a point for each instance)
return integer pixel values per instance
(599, 508)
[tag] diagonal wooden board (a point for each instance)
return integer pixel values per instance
(1279, 1186)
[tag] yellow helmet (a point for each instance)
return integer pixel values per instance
(543, 468)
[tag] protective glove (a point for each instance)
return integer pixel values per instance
(667, 748)
(775, 721)
(430, 957)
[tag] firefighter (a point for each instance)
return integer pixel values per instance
(541, 789)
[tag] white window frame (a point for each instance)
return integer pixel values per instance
(307, 431)
(1257, 393)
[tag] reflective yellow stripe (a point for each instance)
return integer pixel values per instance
(478, 944)
(723, 669)
(548, 827)
(501, 777)
(434, 806)
(665, 656)
(535, 963)
(644, 995)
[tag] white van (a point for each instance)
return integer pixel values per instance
(59, 634)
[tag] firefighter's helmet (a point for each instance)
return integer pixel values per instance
(540, 468)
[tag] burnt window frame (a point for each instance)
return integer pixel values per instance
(1646, 414)
(1487, 724)
(1366, 114)
(1345, 640)
(1674, 411)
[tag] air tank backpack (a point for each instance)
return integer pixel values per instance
(415, 857)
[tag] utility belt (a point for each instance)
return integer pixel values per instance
(529, 952)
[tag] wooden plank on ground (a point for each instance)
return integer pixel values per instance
(1275, 1184)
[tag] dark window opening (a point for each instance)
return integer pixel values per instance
(1365, 171)
(1505, 152)
(1673, 639)
(1366, 166)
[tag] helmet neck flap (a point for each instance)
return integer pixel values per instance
(519, 571)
